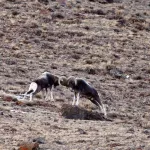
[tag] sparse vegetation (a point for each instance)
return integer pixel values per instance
(79, 38)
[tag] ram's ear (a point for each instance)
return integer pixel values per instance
(72, 79)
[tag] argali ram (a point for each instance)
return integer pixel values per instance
(81, 87)
(43, 83)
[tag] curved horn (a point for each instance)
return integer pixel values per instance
(62, 80)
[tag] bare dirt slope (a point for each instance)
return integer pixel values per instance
(81, 39)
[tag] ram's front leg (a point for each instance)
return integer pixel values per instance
(78, 97)
(74, 98)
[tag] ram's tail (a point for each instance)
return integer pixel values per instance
(27, 93)
(30, 91)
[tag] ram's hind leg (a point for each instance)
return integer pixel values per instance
(100, 106)
(51, 93)
(43, 94)
(31, 97)
(46, 94)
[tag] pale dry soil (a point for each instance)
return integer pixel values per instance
(80, 39)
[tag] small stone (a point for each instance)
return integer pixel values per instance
(59, 142)
(15, 13)
(1, 113)
(29, 146)
(81, 131)
(9, 97)
(147, 132)
(40, 140)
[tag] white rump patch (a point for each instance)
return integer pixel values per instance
(33, 86)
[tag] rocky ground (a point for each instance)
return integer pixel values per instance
(78, 38)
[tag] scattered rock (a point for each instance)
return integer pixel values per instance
(15, 13)
(131, 130)
(76, 56)
(138, 77)
(40, 140)
(26, 103)
(54, 66)
(1, 113)
(100, 1)
(113, 115)
(59, 142)
(148, 136)
(11, 0)
(1, 34)
(95, 11)
(81, 131)
(74, 112)
(9, 97)
(115, 72)
(146, 131)
(110, 1)
(113, 145)
(91, 70)
(89, 61)
(57, 15)
(87, 27)
(29, 146)
(38, 32)
(46, 2)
